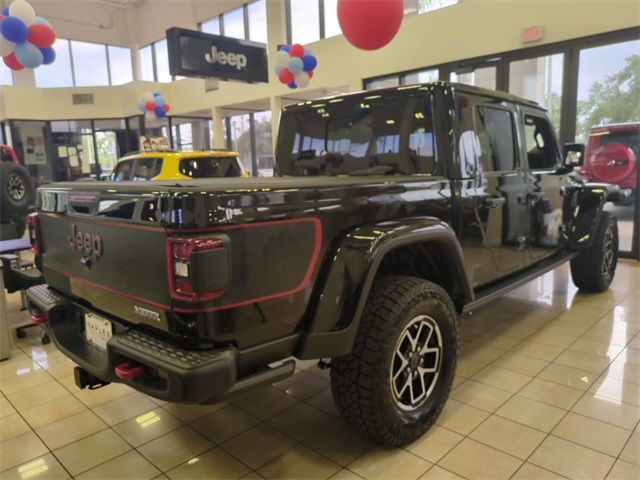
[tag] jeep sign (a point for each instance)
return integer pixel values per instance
(197, 54)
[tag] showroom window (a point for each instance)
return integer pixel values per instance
(211, 26)
(6, 78)
(310, 20)
(146, 63)
(484, 77)
(304, 21)
(257, 14)
(410, 78)
(539, 79)
(84, 64)
(154, 62)
(606, 76)
(418, 7)
(248, 22)
(89, 64)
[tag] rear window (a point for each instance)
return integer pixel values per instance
(210, 167)
(137, 169)
(360, 136)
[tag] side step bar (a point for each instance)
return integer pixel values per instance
(506, 285)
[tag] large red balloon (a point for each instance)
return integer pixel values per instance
(12, 62)
(370, 24)
(150, 106)
(42, 36)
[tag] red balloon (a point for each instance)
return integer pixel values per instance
(165, 107)
(370, 24)
(310, 73)
(12, 62)
(42, 36)
(286, 76)
(150, 106)
(296, 50)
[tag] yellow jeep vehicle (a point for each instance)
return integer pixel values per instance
(172, 165)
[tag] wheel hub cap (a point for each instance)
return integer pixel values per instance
(16, 188)
(416, 363)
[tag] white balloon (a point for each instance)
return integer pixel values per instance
(23, 11)
(282, 59)
(6, 47)
(301, 79)
(150, 116)
(148, 97)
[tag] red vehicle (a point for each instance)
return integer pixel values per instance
(8, 154)
(611, 156)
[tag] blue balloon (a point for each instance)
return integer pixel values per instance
(29, 55)
(141, 107)
(310, 62)
(42, 21)
(48, 55)
(286, 48)
(14, 29)
(292, 85)
(295, 65)
(156, 94)
(278, 69)
(160, 113)
(307, 51)
(159, 101)
(5, 11)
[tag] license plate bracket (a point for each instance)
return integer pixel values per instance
(97, 330)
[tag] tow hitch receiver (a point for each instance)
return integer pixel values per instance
(85, 380)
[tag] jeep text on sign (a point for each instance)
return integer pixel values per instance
(197, 54)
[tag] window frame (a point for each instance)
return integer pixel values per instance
(517, 161)
(530, 112)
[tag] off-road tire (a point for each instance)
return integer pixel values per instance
(17, 191)
(593, 269)
(361, 381)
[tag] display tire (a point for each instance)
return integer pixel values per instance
(593, 269)
(17, 190)
(362, 382)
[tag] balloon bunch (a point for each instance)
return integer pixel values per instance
(295, 65)
(154, 106)
(25, 40)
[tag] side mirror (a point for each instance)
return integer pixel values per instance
(573, 154)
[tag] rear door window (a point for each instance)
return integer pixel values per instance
(210, 167)
(498, 136)
(146, 168)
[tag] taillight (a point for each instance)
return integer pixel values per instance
(34, 232)
(184, 255)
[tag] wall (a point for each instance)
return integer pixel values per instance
(474, 28)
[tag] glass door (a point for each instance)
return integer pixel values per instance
(477, 76)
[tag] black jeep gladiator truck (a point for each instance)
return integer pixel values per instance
(391, 213)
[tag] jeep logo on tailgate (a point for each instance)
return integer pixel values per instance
(87, 244)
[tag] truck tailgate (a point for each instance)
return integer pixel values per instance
(95, 249)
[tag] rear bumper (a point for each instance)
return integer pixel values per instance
(169, 373)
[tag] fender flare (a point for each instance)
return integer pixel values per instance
(584, 204)
(348, 276)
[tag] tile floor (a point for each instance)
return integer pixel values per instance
(548, 386)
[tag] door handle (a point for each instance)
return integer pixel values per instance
(493, 202)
